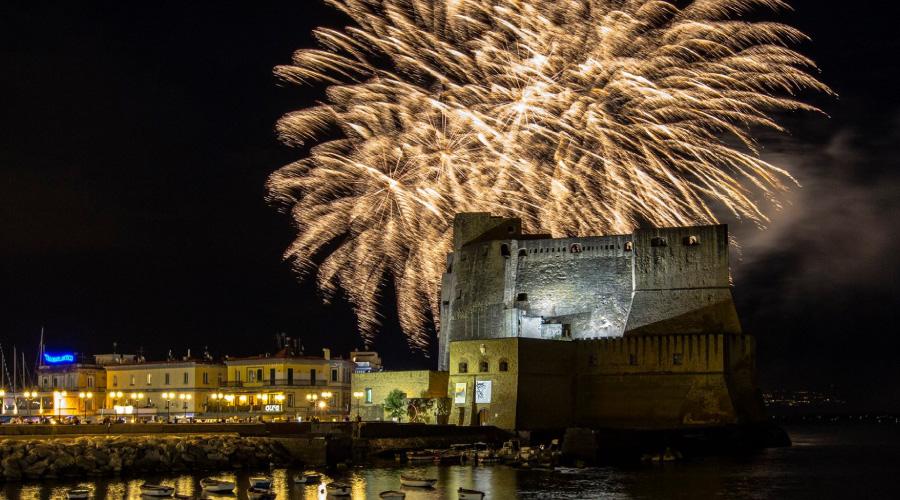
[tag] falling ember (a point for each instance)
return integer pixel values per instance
(579, 116)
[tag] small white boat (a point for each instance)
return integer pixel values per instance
(465, 494)
(261, 482)
(78, 493)
(216, 485)
(417, 482)
(337, 490)
(260, 493)
(392, 495)
(307, 478)
(157, 490)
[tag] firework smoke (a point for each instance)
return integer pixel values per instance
(579, 116)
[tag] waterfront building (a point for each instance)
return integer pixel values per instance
(70, 384)
(287, 385)
(624, 331)
(163, 388)
(371, 389)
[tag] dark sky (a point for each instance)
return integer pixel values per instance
(135, 141)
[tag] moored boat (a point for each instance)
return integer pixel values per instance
(466, 494)
(78, 493)
(392, 495)
(214, 485)
(307, 478)
(337, 490)
(255, 493)
(261, 482)
(420, 456)
(157, 490)
(417, 482)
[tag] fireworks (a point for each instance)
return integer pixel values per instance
(579, 116)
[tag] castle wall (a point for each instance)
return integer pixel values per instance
(633, 382)
(681, 282)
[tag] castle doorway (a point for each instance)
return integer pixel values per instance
(482, 417)
(461, 416)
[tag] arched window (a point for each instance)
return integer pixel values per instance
(504, 250)
(523, 252)
(629, 246)
(575, 248)
(463, 367)
(504, 365)
(483, 366)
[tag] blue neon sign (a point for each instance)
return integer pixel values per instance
(59, 358)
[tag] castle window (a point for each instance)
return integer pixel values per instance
(504, 365)
(510, 229)
(575, 248)
(678, 359)
(522, 297)
(658, 242)
(449, 267)
(592, 360)
(463, 367)
(691, 241)
(523, 252)
(632, 359)
(483, 366)
(484, 250)
(504, 250)
(629, 246)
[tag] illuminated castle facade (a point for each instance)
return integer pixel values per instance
(501, 283)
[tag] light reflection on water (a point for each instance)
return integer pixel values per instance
(827, 462)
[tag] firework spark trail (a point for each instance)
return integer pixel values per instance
(579, 116)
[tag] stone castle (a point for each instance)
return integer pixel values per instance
(501, 283)
(627, 331)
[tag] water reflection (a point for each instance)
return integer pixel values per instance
(822, 465)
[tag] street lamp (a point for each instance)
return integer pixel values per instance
(168, 396)
(58, 397)
(357, 395)
(311, 398)
(85, 397)
(29, 398)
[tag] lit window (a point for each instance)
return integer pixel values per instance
(149, 378)
(629, 246)
(691, 241)
(132, 380)
(368, 392)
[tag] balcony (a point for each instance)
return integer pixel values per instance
(275, 383)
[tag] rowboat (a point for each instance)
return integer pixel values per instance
(261, 482)
(392, 495)
(216, 485)
(420, 456)
(307, 478)
(255, 493)
(78, 493)
(417, 482)
(337, 490)
(156, 490)
(465, 494)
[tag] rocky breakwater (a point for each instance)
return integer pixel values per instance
(104, 455)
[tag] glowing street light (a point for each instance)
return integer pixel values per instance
(85, 397)
(357, 395)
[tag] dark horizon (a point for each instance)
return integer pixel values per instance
(137, 141)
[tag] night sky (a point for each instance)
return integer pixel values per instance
(135, 142)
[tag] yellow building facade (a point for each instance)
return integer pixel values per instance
(170, 388)
(71, 389)
(371, 389)
(287, 385)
